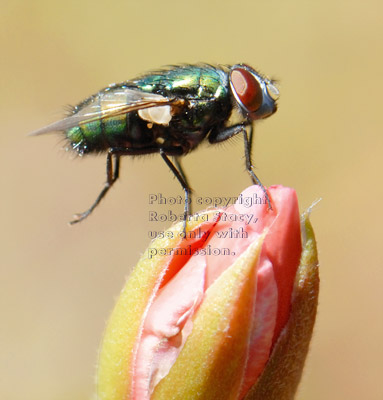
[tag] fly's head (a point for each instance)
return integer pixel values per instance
(255, 94)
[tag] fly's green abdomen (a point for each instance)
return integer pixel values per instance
(115, 125)
(99, 134)
(87, 136)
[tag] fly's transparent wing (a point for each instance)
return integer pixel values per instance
(106, 104)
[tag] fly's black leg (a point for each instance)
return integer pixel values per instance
(251, 132)
(111, 177)
(113, 169)
(116, 172)
(180, 176)
(112, 173)
(249, 164)
(177, 162)
(226, 133)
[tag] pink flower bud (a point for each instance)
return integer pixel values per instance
(226, 313)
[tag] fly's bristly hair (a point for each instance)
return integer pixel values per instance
(227, 144)
(69, 109)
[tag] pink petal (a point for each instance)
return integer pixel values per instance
(263, 326)
(163, 334)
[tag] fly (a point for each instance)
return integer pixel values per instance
(170, 112)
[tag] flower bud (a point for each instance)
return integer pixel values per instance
(225, 313)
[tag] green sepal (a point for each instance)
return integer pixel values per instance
(281, 376)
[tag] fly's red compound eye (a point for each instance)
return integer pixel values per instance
(247, 88)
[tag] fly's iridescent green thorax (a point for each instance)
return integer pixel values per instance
(193, 82)
(169, 112)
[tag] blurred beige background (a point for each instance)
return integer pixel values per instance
(59, 283)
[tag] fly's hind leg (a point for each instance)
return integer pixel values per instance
(179, 174)
(112, 173)
(177, 162)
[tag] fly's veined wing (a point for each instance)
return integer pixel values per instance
(106, 104)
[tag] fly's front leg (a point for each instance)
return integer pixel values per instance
(179, 174)
(226, 133)
(249, 164)
(220, 135)
(111, 177)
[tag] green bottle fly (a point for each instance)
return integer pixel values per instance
(170, 112)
